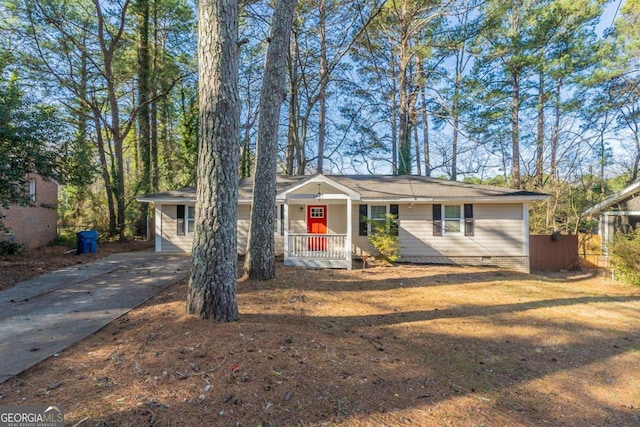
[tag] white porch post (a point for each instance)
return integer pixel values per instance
(525, 229)
(158, 226)
(605, 241)
(285, 224)
(349, 229)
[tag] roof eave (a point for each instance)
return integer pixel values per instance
(609, 201)
(166, 200)
(490, 199)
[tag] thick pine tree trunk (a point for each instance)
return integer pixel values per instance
(144, 165)
(104, 171)
(553, 163)
(515, 130)
(540, 135)
(260, 259)
(322, 92)
(292, 132)
(213, 277)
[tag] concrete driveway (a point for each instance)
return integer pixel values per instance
(44, 315)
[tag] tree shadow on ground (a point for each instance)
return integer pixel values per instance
(288, 363)
(407, 276)
(391, 374)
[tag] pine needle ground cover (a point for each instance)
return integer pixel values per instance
(383, 346)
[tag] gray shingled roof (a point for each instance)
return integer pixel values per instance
(380, 187)
(408, 186)
(184, 194)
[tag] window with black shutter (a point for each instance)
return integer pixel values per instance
(469, 223)
(180, 220)
(362, 220)
(393, 224)
(437, 220)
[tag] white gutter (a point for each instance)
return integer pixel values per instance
(166, 200)
(494, 199)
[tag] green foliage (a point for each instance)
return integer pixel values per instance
(28, 135)
(384, 239)
(65, 237)
(625, 257)
(10, 248)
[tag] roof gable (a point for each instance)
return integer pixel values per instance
(323, 182)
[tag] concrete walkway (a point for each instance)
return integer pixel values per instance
(44, 315)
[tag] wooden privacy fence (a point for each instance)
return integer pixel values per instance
(589, 251)
(553, 252)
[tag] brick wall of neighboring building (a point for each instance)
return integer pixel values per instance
(33, 226)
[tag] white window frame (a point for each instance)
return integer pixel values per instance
(459, 219)
(373, 220)
(189, 218)
(317, 209)
(32, 190)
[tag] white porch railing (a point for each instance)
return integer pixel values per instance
(318, 246)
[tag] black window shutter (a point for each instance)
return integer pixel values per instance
(282, 220)
(468, 220)
(180, 220)
(362, 220)
(393, 210)
(437, 220)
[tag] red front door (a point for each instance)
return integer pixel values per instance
(317, 224)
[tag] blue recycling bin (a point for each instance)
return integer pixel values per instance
(86, 242)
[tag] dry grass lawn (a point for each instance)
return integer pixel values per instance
(405, 345)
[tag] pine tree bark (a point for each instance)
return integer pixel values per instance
(515, 130)
(553, 163)
(144, 161)
(260, 259)
(324, 81)
(292, 131)
(213, 277)
(540, 135)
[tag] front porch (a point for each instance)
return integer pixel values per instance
(318, 251)
(317, 221)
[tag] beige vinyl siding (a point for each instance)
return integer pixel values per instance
(297, 219)
(498, 232)
(312, 188)
(360, 244)
(336, 219)
(171, 242)
(244, 220)
(499, 228)
(336, 214)
(415, 231)
(244, 217)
